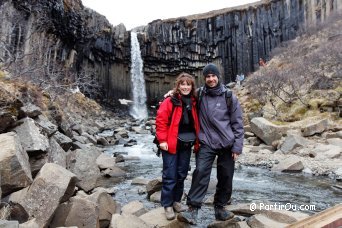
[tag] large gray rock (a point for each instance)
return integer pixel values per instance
(53, 185)
(78, 211)
(31, 110)
(37, 161)
(127, 221)
(260, 220)
(104, 161)
(335, 142)
(106, 205)
(83, 163)
(64, 141)
(30, 137)
(9, 224)
(29, 224)
(290, 164)
(323, 151)
(266, 131)
(314, 128)
(56, 154)
(155, 218)
(15, 169)
(154, 186)
(133, 208)
(47, 127)
(338, 173)
(293, 141)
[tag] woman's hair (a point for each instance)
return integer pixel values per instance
(189, 79)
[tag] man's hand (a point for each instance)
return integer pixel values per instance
(235, 156)
(168, 94)
(164, 146)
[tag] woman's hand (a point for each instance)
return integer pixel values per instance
(164, 146)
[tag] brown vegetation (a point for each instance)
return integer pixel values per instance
(303, 75)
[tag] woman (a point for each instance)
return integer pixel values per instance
(177, 128)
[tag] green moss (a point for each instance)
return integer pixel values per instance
(339, 89)
(2, 75)
(316, 103)
(254, 105)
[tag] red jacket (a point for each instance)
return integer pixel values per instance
(169, 134)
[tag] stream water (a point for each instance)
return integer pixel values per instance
(250, 184)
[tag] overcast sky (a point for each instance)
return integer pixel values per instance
(134, 13)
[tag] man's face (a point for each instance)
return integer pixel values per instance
(211, 80)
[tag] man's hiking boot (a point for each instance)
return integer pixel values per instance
(169, 213)
(222, 214)
(179, 207)
(189, 216)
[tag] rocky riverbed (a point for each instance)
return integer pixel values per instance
(77, 171)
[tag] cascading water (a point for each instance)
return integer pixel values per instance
(138, 109)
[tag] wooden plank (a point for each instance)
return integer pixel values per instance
(329, 218)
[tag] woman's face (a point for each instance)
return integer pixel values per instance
(184, 88)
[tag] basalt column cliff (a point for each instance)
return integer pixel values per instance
(232, 38)
(65, 32)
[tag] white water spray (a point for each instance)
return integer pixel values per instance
(139, 109)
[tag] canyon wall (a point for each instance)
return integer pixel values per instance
(48, 33)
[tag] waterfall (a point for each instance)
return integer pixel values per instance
(138, 109)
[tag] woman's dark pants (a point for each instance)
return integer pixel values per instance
(175, 170)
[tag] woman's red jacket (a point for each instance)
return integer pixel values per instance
(168, 132)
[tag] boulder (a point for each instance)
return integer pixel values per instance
(156, 197)
(104, 161)
(30, 137)
(156, 218)
(154, 186)
(56, 154)
(323, 151)
(314, 128)
(134, 208)
(260, 220)
(266, 131)
(106, 206)
(64, 141)
(15, 171)
(82, 162)
(79, 212)
(291, 142)
(9, 224)
(47, 127)
(290, 164)
(53, 185)
(30, 110)
(335, 142)
(139, 181)
(127, 221)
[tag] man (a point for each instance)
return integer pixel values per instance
(221, 134)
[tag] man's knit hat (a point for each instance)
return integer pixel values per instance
(211, 69)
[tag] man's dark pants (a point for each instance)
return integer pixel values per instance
(201, 176)
(175, 170)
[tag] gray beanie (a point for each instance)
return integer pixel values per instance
(211, 69)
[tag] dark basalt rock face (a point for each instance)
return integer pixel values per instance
(232, 38)
(85, 41)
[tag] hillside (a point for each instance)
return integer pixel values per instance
(302, 79)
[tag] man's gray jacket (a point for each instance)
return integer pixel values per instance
(221, 127)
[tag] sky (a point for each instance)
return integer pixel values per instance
(133, 13)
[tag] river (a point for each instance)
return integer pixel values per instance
(251, 184)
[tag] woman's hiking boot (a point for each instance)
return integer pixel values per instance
(222, 214)
(189, 216)
(169, 213)
(179, 207)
